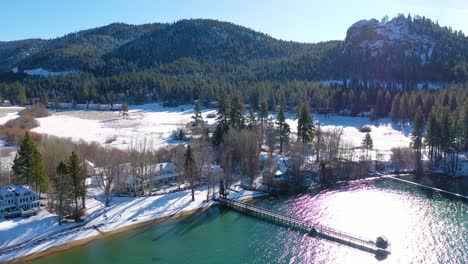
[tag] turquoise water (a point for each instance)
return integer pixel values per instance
(423, 227)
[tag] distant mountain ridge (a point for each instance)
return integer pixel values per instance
(402, 49)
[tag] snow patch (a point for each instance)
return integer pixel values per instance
(45, 73)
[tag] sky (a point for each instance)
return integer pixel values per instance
(296, 20)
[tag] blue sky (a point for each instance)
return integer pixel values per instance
(297, 20)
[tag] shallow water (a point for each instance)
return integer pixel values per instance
(422, 226)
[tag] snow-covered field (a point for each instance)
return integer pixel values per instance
(123, 212)
(155, 123)
(385, 134)
(150, 122)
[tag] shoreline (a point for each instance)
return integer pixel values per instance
(102, 235)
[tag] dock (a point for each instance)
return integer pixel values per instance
(378, 247)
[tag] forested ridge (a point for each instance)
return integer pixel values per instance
(200, 59)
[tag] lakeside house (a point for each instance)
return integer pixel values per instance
(135, 180)
(166, 172)
(16, 200)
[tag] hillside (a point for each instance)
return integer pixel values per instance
(405, 49)
(402, 49)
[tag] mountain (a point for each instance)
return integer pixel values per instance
(204, 40)
(403, 49)
(81, 51)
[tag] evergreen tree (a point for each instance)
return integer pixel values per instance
(432, 131)
(28, 166)
(197, 116)
(251, 120)
(283, 129)
(379, 105)
(305, 125)
(74, 170)
(24, 161)
(395, 111)
(222, 119)
(39, 172)
(198, 124)
(363, 102)
(464, 124)
(445, 131)
(124, 110)
(236, 113)
(417, 134)
(263, 115)
(189, 169)
(367, 143)
(44, 99)
(62, 186)
(57, 104)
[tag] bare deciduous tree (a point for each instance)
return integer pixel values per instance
(109, 163)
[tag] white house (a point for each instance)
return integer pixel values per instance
(165, 172)
(18, 200)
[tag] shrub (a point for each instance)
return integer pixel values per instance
(36, 110)
(211, 115)
(365, 129)
(26, 121)
(111, 139)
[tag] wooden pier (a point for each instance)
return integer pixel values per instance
(371, 246)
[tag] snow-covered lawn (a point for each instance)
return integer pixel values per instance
(150, 122)
(123, 211)
(385, 134)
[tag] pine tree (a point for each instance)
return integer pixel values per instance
(62, 186)
(251, 120)
(379, 105)
(189, 169)
(124, 110)
(445, 131)
(464, 124)
(430, 139)
(417, 134)
(387, 104)
(367, 143)
(305, 125)
(236, 114)
(395, 111)
(74, 170)
(222, 119)
(263, 116)
(363, 102)
(24, 161)
(197, 116)
(283, 129)
(39, 172)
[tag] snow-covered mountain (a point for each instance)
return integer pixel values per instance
(402, 47)
(403, 50)
(395, 35)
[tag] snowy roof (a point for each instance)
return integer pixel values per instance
(166, 166)
(18, 189)
(89, 163)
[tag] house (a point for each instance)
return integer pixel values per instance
(160, 174)
(88, 167)
(134, 184)
(165, 172)
(16, 200)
